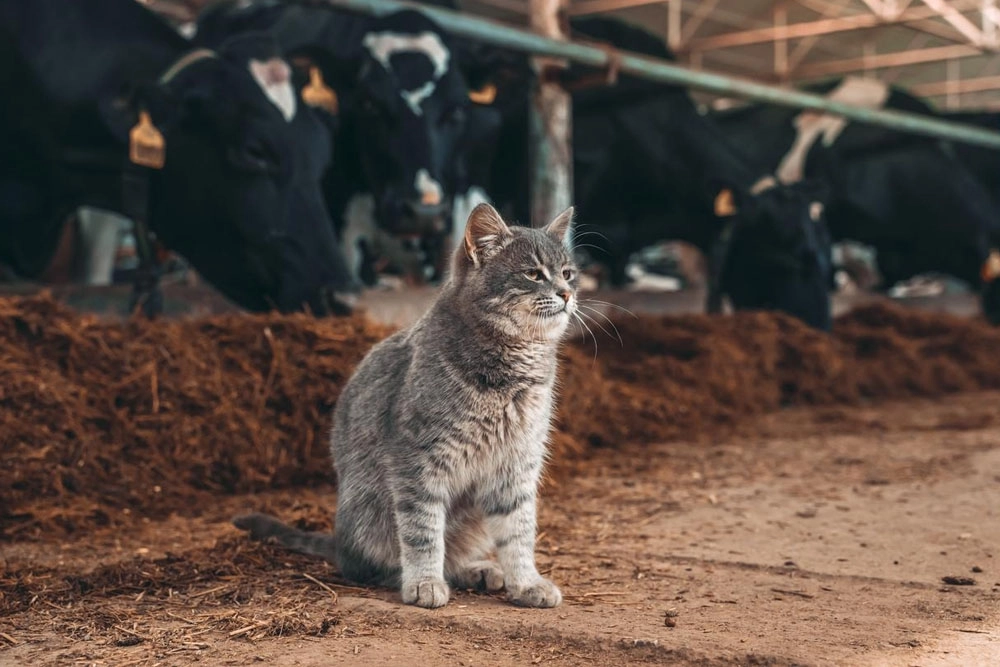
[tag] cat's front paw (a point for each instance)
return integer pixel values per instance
(427, 593)
(542, 593)
(480, 575)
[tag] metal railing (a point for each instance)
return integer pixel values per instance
(666, 72)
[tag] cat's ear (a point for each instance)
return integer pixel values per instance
(485, 233)
(559, 228)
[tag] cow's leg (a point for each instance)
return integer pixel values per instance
(359, 230)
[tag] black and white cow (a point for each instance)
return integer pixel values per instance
(911, 198)
(404, 115)
(238, 193)
(648, 167)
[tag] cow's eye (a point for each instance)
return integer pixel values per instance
(257, 157)
(258, 152)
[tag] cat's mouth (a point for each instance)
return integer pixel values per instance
(555, 312)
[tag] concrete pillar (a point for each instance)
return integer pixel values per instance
(551, 125)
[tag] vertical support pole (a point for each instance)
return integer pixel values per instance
(674, 19)
(551, 124)
(781, 43)
(868, 52)
(951, 85)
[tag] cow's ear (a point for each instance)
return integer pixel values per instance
(724, 204)
(485, 95)
(485, 234)
(121, 112)
(315, 91)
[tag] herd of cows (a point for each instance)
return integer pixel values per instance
(288, 150)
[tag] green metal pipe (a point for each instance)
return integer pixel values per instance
(670, 73)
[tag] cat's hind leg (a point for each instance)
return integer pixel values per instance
(467, 546)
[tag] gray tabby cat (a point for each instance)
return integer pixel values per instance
(440, 436)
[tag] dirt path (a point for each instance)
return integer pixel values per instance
(808, 537)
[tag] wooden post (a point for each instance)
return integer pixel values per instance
(551, 124)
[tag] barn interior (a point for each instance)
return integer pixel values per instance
(734, 476)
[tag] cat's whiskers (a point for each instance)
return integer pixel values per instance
(598, 324)
(610, 305)
(580, 235)
(586, 245)
(579, 319)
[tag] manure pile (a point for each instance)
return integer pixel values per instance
(97, 417)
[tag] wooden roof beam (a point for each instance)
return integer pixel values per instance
(820, 27)
(884, 60)
(960, 22)
(960, 87)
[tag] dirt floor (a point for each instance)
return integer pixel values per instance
(862, 528)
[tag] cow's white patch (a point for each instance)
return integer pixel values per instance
(359, 225)
(816, 211)
(414, 98)
(274, 77)
(460, 212)
(810, 125)
(645, 281)
(100, 236)
(383, 45)
(763, 185)
(188, 29)
(429, 189)
(918, 286)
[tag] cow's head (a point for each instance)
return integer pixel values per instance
(409, 109)
(774, 250)
(239, 192)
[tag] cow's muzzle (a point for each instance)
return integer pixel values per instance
(416, 218)
(332, 301)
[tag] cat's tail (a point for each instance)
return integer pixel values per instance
(263, 526)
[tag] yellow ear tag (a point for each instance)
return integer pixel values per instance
(318, 94)
(990, 270)
(484, 95)
(724, 206)
(146, 146)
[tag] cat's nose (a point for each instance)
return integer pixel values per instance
(565, 294)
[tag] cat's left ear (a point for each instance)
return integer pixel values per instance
(560, 228)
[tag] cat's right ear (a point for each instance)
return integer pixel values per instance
(485, 233)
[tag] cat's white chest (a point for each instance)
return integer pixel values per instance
(519, 426)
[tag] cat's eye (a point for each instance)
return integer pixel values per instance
(568, 274)
(533, 274)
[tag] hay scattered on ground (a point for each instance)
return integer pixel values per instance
(99, 417)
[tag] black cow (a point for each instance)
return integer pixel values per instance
(648, 167)
(912, 198)
(984, 163)
(238, 194)
(404, 113)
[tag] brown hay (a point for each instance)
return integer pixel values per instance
(97, 416)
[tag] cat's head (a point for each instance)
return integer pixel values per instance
(521, 281)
